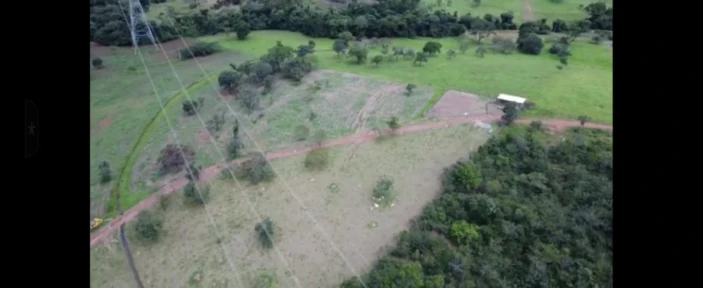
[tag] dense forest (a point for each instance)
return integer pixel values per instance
(517, 213)
(387, 18)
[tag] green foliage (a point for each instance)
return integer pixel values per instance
(510, 113)
(383, 192)
(432, 47)
(377, 59)
(420, 58)
(234, 146)
(530, 44)
(242, 30)
(256, 169)
(583, 119)
(265, 232)
(464, 233)
(359, 52)
(317, 159)
(104, 172)
(393, 123)
(97, 62)
(409, 89)
(190, 107)
(200, 49)
(301, 132)
(148, 226)
(541, 216)
(230, 80)
(192, 196)
(193, 172)
(215, 123)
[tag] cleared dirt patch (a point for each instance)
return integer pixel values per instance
(339, 199)
(105, 122)
(461, 104)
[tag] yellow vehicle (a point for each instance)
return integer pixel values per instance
(95, 223)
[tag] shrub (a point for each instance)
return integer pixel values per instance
(383, 192)
(256, 169)
(97, 62)
(148, 226)
(215, 123)
(265, 232)
(317, 159)
(105, 172)
(503, 45)
(190, 107)
(192, 196)
(242, 30)
(301, 132)
(200, 49)
(530, 44)
(233, 147)
(171, 158)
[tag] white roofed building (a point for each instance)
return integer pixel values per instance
(511, 98)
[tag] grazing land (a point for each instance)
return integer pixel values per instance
(583, 88)
(339, 198)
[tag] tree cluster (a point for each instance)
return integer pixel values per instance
(385, 18)
(518, 213)
(173, 158)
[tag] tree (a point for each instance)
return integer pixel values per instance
(97, 62)
(346, 36)
(304, 50)
(397, 52)
(234, 146)
(530, 44)
(583, 119)
(377, 59)
(359, 52)
(265, 232)
(510, 113)
(250, 100)
(148, 226)
(480, 51)
(190, 107)
(104, 172)
(256, 169)
(215, 123)
(339, 47)
(420, 58)
(432, 47)
(409, 89)
(476, 3)
(194, 172)
(276, 55)
(171, 159)
(451, 54)
(482, 29)
(393, 123)
(409, 54)
(192, 196)
(242, 30)
(229, 80)
(317, 159)
(464, 233)
(235, 129)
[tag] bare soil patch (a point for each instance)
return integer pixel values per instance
(105, 122)
(203, 137)
(460, 104)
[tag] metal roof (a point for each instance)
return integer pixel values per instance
(511, 98)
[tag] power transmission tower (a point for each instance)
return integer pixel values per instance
(138, 25)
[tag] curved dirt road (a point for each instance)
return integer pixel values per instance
(210, 172)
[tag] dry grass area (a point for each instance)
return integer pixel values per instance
(460, 104)
(339, 199)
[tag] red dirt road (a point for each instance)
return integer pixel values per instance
(210, 172)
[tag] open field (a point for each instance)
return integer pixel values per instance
(123, 101)
(524, 10)
(337, 104)
(582, 88)
(338, 197)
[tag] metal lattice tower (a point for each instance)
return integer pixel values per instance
(138, 25)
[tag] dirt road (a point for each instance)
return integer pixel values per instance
(211, 172)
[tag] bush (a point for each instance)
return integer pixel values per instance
(190, 107)
(233, 147)
(301, 132)
(200, 49)
(265, 232)
(192, 196)
(242, 30)
(256, 169)
(171, 158)
(148, 226)
(317, 159)
(383, 192)
(503, 45)
(97, 62)
(105, 172)
(530, 44)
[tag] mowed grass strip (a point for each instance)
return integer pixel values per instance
(584, 87)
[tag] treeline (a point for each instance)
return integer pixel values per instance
(387, 18)
(517, 213)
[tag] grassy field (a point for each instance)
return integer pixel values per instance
(122, 103)
(339, 198)
(336, 105)
(582, 88)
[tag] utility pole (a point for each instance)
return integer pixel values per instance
(138, 25)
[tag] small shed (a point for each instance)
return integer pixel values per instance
(510, 98)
